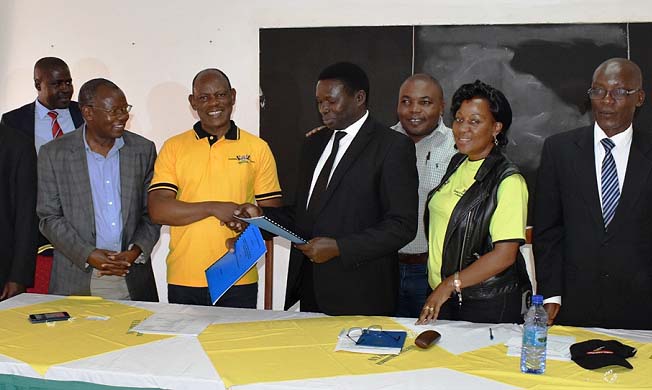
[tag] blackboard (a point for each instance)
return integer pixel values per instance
(544, 70)
(290, 63)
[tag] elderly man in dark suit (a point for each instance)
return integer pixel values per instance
(17, 216)
(92, 201)
(593, 219)
(356, 200)
(51, 115)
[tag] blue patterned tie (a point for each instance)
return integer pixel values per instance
(610, 189)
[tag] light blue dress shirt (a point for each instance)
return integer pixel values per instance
(104, 174)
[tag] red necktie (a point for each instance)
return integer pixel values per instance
(56, 129)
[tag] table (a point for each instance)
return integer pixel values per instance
(181, 362)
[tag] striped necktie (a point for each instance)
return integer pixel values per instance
(610, 188)
(56, 129)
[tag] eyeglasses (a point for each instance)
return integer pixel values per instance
(618, 93)
(355, 334)
(116, 111)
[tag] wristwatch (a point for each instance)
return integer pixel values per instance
(141, 258)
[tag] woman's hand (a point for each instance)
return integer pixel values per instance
(435, 300)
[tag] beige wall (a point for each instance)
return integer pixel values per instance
(152, 49)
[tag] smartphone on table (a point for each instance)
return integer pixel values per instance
(47, 317)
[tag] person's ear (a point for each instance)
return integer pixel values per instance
(191, 100)
(233, 93)
(87, 113)
(498, 127)
(360, 97)
(37, 84)
(641, 98)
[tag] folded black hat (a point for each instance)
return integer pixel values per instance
(592, 354)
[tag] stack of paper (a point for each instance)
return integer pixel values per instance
(174, 324)
(378, 342)
(557, 347)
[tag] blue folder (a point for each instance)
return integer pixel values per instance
(228, 269)
(382, 338)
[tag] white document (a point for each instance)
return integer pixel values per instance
(174, 324)
(557, 347)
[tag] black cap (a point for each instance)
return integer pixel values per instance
(592, 354)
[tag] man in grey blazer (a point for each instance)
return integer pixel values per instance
(92, 202)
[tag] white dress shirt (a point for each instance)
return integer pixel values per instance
(344, 144)
(620, 153)
(43, 124)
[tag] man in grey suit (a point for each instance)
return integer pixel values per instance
(92, 202)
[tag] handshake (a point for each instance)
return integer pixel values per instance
(317, 250)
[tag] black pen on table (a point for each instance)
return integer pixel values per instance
(491, 334)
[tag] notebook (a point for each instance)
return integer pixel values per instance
(273, 227)
(229, 268)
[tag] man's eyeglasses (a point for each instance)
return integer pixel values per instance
(618, 93)
(356, 333)
(115, 111)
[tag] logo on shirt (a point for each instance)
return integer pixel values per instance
(242, 159)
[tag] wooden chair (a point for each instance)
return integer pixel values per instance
(269, 274)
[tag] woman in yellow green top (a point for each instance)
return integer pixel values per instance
(475, 219)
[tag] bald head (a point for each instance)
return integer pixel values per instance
(425, 79)
(211, 72)
(615, 94)
(53, 82)
(420, 105)
(623, 66)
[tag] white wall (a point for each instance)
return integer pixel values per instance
(152, 49)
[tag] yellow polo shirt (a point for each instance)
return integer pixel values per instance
(507, 223)
(238, 167)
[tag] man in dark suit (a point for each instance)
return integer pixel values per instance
(357, 201)
(92, 202)
(593, 219)
(54, 88)
(17, 217)
(51, 115)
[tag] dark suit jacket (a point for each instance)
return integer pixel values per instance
(17, 208)
(370, 207)
(65, 206)
(22, 119)
(604, 278)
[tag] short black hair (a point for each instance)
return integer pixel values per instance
(351, 75)
(88, 91)
(46, 63)
(498, 104)
(209, 70)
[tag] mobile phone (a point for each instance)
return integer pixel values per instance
(47, 317)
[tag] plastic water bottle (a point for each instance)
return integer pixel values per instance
(535, 335)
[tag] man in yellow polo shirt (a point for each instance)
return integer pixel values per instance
(199, 177)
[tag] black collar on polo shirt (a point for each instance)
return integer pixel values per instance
(231, 134)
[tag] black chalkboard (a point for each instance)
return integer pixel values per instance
(544, 70)
(290, 63)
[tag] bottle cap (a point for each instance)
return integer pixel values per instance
(537, 299)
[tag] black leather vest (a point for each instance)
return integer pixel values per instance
(467, 234)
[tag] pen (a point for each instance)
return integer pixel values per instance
(491, 334)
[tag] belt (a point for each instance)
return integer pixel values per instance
(413, 258)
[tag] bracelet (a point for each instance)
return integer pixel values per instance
(457, 284)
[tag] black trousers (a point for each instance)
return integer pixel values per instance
(505, 308)
(242, 296)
